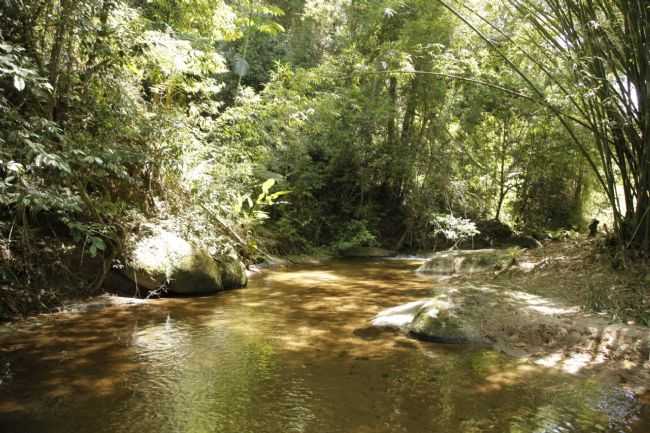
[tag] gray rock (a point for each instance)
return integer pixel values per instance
(527, 242)
(164, 259)
(399, 317)
(435, 320)
(464, 261)
(233, 272)
(438, 325)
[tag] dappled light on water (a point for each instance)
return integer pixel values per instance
(294, 352)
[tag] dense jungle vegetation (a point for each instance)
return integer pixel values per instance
(284, 126)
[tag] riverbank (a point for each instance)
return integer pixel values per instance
(537, 305)
(68, 295)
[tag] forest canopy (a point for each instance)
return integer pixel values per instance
(279, 126)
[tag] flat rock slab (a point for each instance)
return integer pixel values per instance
(465, 261)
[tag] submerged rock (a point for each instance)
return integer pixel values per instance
(367, 252)
(464, 261)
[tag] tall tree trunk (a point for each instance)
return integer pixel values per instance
(502, 171)
(406, 151)
(54, 66)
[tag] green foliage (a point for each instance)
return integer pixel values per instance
(105, 121)
(384, 120)
(453, 228)
(355, 234)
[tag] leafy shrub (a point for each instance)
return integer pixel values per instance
(355, 234)
(452, 228)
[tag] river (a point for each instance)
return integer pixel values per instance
(293, 352)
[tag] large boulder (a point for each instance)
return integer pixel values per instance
(165, 259)
(464, 261)
(494, 232)
(370, 252)
(233, 271)
(527, 242)
(439, 324)
(399, 317)
(436, 320)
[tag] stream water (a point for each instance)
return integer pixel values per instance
(291, 353)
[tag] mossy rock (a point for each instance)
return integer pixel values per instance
(528, 242)
(165, 259)
(464, 262)
(436, 320)
(495, 231)
(438, 325)
(196, 274)
(233, 272)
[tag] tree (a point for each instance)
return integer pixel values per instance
(596, 55)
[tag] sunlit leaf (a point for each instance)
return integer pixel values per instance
(19, 83)
(266, 186)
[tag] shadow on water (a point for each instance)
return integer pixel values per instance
(291, 353)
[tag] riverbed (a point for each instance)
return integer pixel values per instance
(293, 352)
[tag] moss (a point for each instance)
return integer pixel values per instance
(196, 274)
(438, 324)
(233, 272)
(166, 259)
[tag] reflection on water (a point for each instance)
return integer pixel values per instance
(292, 353)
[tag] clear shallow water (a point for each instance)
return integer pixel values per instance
(291, 353)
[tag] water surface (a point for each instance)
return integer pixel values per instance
(291, 353)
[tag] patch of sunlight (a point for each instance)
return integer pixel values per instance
(305, 275)
(309, 331)
(483, 289)
(542, 305)
(570, 363)
(499, 380)
(254, 304)
(290, 342)
(151, 252)
(347, 307)
(302, 338)
(551, 360)
(626, 364)
(123, 300)
(527, 266)
(160, 337)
